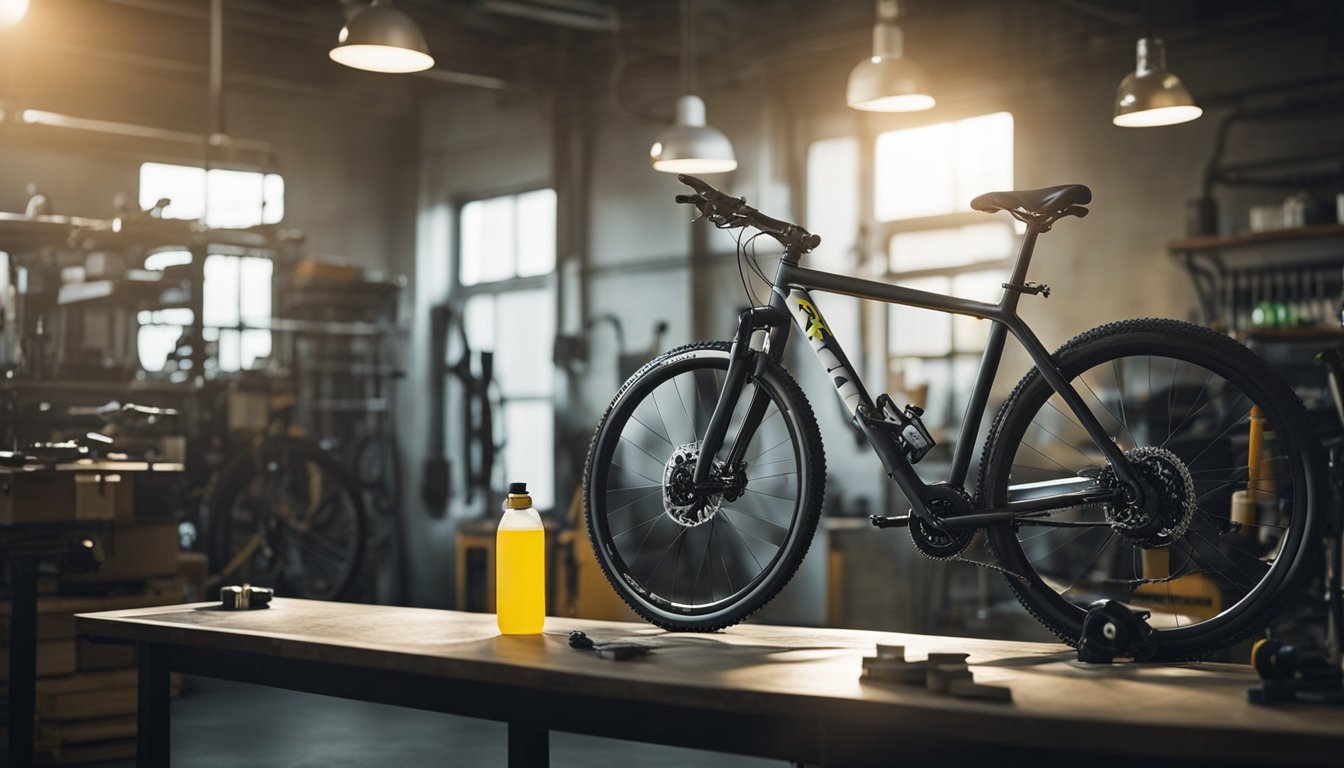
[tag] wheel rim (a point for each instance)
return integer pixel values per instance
(1178, 405)
(692, 569)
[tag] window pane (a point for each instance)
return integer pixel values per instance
(255, 285)
(165, 259)
(529, 446)
(984, 156)
(182, 184)
(229, 351)
(937, 169)
(935, 248)
(833, 201)
(525, 337)
(273, 196)
(536, 232)
(488, 240)
(254, 346)
(479, 317)
(914, 172)
(236, 199)
(920, 331)
(221, 295)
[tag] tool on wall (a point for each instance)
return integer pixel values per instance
(474, 370)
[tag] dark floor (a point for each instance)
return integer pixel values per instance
(226, 725)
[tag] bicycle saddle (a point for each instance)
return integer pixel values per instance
(1047, 201)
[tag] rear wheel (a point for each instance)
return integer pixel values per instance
(701, 564)
(286, 515)
(1186, 405)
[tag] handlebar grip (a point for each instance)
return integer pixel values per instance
(693, 199)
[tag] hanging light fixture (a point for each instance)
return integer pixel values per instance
(380, 38)
(1150, 95)
(888, 82)
(690, 145)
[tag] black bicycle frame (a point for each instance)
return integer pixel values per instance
(791, 302)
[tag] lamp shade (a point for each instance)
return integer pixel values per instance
(1150, 95)
(381, 38)
(888, 82)
(691, 146)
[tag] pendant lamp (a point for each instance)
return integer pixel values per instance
(690, 145)
(888, 82)
(1150, 95)
(381, 38)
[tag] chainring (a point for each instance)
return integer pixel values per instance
(935, 543)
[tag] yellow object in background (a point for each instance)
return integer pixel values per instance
(520, 566)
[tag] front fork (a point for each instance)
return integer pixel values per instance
(743, 361)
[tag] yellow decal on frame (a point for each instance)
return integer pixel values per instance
(816, 327)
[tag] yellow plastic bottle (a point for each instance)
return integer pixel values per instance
(520, 566)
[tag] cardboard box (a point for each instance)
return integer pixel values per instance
(54, 658)
(50, 496)
(134, 553)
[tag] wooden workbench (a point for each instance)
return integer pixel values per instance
(779, 692)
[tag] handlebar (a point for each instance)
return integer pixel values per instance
(727, 211)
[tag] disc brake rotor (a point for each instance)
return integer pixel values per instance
(680, 501)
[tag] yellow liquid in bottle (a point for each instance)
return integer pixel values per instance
(520, 580)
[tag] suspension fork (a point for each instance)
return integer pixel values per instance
(743, 361)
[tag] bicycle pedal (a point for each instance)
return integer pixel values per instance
(899, 521)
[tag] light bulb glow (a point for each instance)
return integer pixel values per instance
(12, 12)
(381, 58)
(1150, 118)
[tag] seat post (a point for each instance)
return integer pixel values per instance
(1019, 276)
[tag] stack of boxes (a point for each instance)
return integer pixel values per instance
(86, 691)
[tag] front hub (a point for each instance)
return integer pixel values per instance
(689, 506)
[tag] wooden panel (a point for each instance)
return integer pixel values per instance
(1184, 711)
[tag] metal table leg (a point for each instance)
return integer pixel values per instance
(22, 658)
(152, 716)
(529, 747)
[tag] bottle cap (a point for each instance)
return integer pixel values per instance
(518, 498)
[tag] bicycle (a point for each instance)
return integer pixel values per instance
(704, 478)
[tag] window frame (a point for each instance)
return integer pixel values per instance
(460, 294)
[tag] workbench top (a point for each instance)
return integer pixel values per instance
(1180, 711)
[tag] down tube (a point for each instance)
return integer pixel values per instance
(824, 345)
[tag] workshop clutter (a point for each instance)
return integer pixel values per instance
(86, 690)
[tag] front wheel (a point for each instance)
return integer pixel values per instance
(1228, 462)
(688, 563)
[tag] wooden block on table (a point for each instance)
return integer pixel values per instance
(942, 676)
(895, 671)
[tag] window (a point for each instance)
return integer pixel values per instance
(219, 198)
(833, 213)
(923, 181)
(506, 256)
(237, 288)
